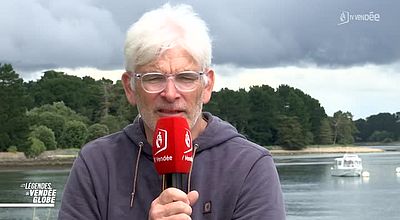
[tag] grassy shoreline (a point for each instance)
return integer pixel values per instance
(327, 150)
(66, 157)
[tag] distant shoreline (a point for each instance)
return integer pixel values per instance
(65, 158)
(325, 150)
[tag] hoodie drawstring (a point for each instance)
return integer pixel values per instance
(191, 166)
(136, 173)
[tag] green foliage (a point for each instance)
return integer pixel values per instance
(97, 130)
(82, 95)
(258, 113)
(44, 134)
(232, 106)
(381, 136)
(114, 123)
(12, 149)
(344, 128)
(378, 123)
(290, 134)
(36, 148)
(58, 108)
(74, 135)
(14, 100)
(267, 116)
(309, 113)
(118, 105)
(51, 120)
(325, 132)
(54, 117)
(263, 109)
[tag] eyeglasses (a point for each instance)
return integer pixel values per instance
(185, 81)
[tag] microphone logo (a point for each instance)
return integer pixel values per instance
(188, 141)
(161, 141)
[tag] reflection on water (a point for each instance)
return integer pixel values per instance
(312, 193)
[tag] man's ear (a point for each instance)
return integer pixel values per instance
(209, 87)
(129, 92)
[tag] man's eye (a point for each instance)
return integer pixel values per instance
(187, 77)
(153, 78)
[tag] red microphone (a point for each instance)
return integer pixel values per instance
(172, 151)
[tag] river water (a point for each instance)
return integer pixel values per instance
(309, 190)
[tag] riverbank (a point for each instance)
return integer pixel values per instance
(325, 150)
(55, 158)
(65, 157)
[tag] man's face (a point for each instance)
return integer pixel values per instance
(171, 101)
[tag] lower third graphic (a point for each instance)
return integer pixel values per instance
(40, 195)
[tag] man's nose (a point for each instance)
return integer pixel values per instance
(170, 93)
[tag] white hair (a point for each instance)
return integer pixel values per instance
(164, 28)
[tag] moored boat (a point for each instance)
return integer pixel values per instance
(348, 165)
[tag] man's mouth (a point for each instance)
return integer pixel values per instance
(170, 111)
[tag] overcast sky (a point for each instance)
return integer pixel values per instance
(352, 67)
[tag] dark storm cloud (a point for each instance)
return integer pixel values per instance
(39, 34)
(260, 33)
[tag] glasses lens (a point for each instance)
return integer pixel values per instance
(187, 81)
(153, 82)
(156, 82)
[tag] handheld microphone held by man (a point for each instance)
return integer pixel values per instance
(172, 151)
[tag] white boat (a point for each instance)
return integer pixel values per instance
(348, 165)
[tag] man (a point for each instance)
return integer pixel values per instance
(168, 58)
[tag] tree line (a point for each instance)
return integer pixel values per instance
(63, 111)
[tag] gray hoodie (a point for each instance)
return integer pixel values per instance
(235, 178)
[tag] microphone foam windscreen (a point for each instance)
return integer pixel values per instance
(172, 146)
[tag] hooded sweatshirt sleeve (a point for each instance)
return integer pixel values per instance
(261, 194)
(79, 199)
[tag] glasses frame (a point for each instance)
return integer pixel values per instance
(139, 76)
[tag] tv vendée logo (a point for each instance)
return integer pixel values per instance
(346, 17)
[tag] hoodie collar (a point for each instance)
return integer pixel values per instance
(216, 132)
(137, 135)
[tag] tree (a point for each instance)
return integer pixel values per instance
(44, 134)
(84, 96)
(384, 122)
(212, 106)
(343, 127)
(381, 136)
(290, 134)
(51, 120)
(97, 130)
(362, 127)
(54, 117)
(325, 132)
(114, 123)
(74, 135)
(233, 106)
(14, 100)
(309, 113)
(263, 104)
(58, 108)
(36, 148)
(119, 105)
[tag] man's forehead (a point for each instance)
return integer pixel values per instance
(171, 60)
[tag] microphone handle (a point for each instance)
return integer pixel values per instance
(176, 180)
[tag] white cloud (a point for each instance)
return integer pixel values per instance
(96, 74)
